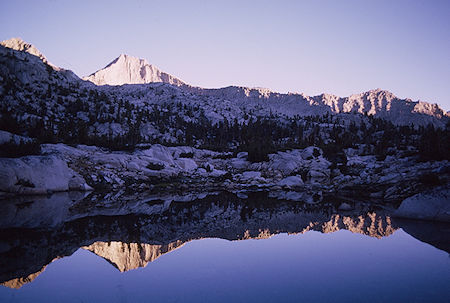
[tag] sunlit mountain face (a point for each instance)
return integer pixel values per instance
(130, 240)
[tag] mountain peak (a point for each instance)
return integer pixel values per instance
(20, 45)
(127, 69)
(378, 91)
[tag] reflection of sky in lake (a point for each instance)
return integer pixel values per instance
(310, 267)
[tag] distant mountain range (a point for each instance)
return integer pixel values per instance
(380, 103)
(130, 70)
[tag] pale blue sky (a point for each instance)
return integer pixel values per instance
(340, 47)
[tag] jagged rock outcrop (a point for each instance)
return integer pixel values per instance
(131, 70)
(20, 45)
(24, 62)
(377, 102)
(38, 71)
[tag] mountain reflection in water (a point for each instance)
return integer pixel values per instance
(130, 234)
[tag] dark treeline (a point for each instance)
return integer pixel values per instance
(57, 110)
(258, 136)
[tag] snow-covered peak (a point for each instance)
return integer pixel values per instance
(127, 69)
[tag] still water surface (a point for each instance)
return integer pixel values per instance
(371, 263)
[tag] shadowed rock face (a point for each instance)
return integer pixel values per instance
(132, 241)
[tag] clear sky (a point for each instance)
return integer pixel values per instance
(339, 47)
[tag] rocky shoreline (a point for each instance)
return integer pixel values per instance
(184, 173)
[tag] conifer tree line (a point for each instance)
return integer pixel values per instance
(259, 136)
(56, 109)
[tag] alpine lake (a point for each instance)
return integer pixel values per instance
(217, 248)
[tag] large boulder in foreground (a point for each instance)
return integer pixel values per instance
(38, 175)
(433, 205)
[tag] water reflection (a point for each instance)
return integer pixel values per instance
(131, 233)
